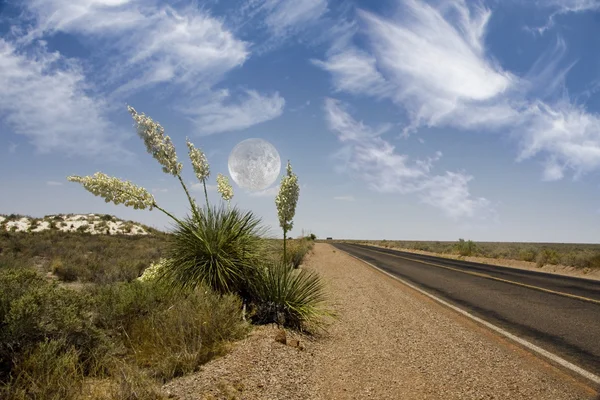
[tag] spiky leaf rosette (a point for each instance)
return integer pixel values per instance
(219, 248)
(289, 297)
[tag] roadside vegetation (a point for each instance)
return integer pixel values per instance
(568, 254)
(115, 316)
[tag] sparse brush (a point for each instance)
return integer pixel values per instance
(218, 248)
(289, 297)
(173, 341)
(48, 371)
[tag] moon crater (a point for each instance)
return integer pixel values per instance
(254, 164)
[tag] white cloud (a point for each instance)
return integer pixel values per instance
(433, 63)
(345, 198)
(155, 44)
(160, 190)
(355, 71)
(216, 115)
(374, 160)
(186, 48)
(54, 183)
(565, 7)
(44, 98)
(286, 15)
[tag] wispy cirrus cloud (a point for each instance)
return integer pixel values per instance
(371, 158)
(44, 98)
(432, 62)
(185, 49)
(218, 114)
(561, 7)
(285, 15)
(155, 44)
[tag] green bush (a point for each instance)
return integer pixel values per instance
(288, 297)
(547, 256)
(35, 310)
(297, 250)
(50, 370)
(87, 258)
(527, 254)
(466, 248)
(220, 249)
(172, 341)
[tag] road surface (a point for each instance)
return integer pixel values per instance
(560, 314)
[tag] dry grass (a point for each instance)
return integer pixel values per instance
(569, 254)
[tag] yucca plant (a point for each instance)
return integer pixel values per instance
(219, 247)
(288, 297)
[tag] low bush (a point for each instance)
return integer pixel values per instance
(466, 248)
(547, 256)
(288, 297)
(172, 341)
(297, 250)
(87, 258)
(51, 335)
(50, 370)
(527, 254)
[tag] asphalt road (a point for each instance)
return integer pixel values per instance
(508, 298)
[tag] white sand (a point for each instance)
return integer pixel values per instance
(71, 223)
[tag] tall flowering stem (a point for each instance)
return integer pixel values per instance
(200, 165)
(286, 201)
(160, 146)
(225, 189)
(117, 191)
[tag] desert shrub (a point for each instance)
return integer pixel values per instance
(297, 250)
(465, 248)
(35, 310)
(218, 248)
(66, 273)
(171, 341)
(50, 370)
(547, 256)
(527, 254)
(131, 383)
(288, 297)
(88, 258)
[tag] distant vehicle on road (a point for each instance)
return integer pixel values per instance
(329, 238)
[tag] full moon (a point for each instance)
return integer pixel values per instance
(254, 164)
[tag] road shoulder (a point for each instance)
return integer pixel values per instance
(389, 342)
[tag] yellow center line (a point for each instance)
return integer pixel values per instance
(479, 274)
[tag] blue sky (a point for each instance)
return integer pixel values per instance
(403, 119)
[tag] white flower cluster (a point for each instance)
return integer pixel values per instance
(199, 162)
(153, 271)
(287, 198)
(116, 191)
(224, 188)
(157, 144)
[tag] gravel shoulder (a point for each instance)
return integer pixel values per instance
(388, 342)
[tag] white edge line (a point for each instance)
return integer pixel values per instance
(561, 361)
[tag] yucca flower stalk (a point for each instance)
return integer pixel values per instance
(286, 201)
(200, 165)
(162, 149)
(117, 191)
(225, 189)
